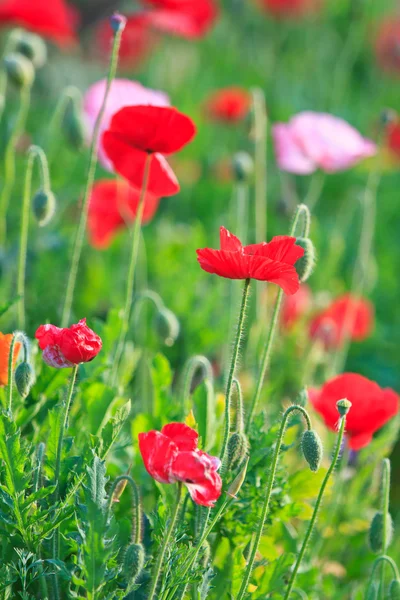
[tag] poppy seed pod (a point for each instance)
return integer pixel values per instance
(243, 166)
(44, 206)
(133, 562)
(343, 406)
(73, 127)
(305, 265)
(33, 47)
(372, 592)
(375, 534)
(312, 448)
(24, 379)
(167, 326)
(394, 590)
(238, 448)
(19, 69)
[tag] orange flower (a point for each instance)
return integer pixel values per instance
(5, 346)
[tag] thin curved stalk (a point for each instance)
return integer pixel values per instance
(136, 534)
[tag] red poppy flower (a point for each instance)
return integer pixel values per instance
(295, 306)
(371, 407)
(136, 42)
(387, 45)
(392, 137)
(137, 131)
(230, 105)
(113, 204)
(5, 347)
(172, 455)
(266, 262)
(52, 19)
(330, 325)
(185, 18)
(67, 347)
(289, 8)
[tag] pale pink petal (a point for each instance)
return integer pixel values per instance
(289, 153)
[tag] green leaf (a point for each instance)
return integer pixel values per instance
(5, 307)
(305, 485)
(112, 429)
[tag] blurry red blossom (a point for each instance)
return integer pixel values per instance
(172, 455)
(229, 104)
(135, 132)
(271, 261)
(53, 19)
(311, 141)
(346, 312)
(123, 92)
(392, 137)
(113, 205)
(387, 45)
(296, 306)
(289, 8)
(371, 408)
(66, 347)
(184, 18)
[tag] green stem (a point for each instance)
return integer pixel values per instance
(18, 336)
(136, 535)
(239, 407)
(9, 160)
(235, 356)
(167, 537)
(316, 508)
(131, 272)
(33, 152)
(9, 46)
(189, 370)
(68, 94)
(385, 513)
(270, 485)
(80, 233)
(302, 212)
(315, 190)
(383, 559)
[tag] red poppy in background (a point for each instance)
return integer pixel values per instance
(357, 314)
(371, 408)
(290, 8)
(387, 46)
(5, 347)
(294, 307)
(229, 104)
(172, 455)
(392, 137)
(136, 42)
(185, 18)
(112, 206)
(53, 19)
(271, 261)
(66, 347)
(138, 131)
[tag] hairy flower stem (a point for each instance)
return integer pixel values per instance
(80, 233)
(190, 369)
(316, 507)
(136, 535)
(131, 272)
(166, 539)
(34, 152)
(9, 160)
(64, 421)
(382, 560)
(302, 211)
(385, 513)
(267, 498)
(231, 375)
(18, 336)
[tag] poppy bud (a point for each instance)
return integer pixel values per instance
(343, 406)
(73, 127)
(133, 562)
(305, 265)
(375, 535)
(394, 590)
(167, 326)
(117, 22)
(24, 379)
(311, 446)
(243, 166)
(119, 490)
(19, 69)
(33, 47)
(372, 592)
(237, 483)
(238, 447)
(44, 206)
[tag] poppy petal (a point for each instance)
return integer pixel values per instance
(228, 241)
(182, 435)
(158, 452)
(281, 248)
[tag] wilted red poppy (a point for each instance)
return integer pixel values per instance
(271, 261)
(355, 314)
(229, 104)
(296, 306)
(112, 206)
(138, 131)
(67, 347)
(53, 19)
(5, 346)
(371, 406)
(388, 45)
(185, 18)
(172, 455)
(289, 8)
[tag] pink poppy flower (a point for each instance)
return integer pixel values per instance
(123, 93)
(312, 141)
